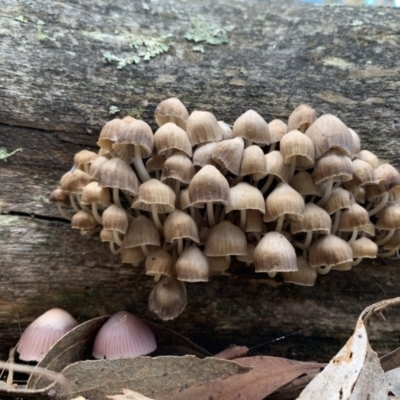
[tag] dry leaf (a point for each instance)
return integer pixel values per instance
(391, 360)
(146, 375)
(371, 381)
(339, 378)
(266, 376)
(128, 395)
(232, 352)
(393, 381)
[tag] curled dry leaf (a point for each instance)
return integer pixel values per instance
(354, 362)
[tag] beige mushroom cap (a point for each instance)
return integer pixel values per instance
(339, 199)
(202, 156)
(252, 127)
(141, 231)
(115, 219)
(329, 132)
(228, 154)
(168, 298)
(305, 276)
(110, 133)
(93, 193)
(244, 196)
(363, 174)
(276, 167)
(298, 148)
(253, 162)
(171, 110)
(302, 118)
(180, 225)
(74, 182)
(316, 220)
(84, 158)
(333, 165)
(354, 217)
(284, 200)
(389, 217)
(132, 255)
(83, 220)
(171, 137)
(225, 239)
(193, 266)
(274, 253)
(159, 262)
(227, 132)
(365, 248)
(277, 130)
(304, 183)
(207, 186)
(202, 126)
(178, 167)
(369, 157)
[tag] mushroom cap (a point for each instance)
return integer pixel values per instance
(329, 132)
(254, 222)
(208, 186)
(228, 154)
(225, 239)
(110, 132)
(354, 217)
(132, 255)
(141, 231)
(202, 156)
(284, 200)
(244, 196)
(171, 110)
(297, 145)
(159, 262)
(227, 132)
(84, 157)
(116, 173)
(315, 220)
(43, 332)
(389, 217)
(155, 163)
(180, 225)
(363, 174)
(134, 133)
(193, 266)
(115, 219)
(96, 164)
(249, 257)
(83, 220)
(393, 242)
(332, 164)
(253, 161)
(93, 193)
(369, 157)
(154, 192)
(275, 166)
(304, 183)
(356, 142)
(74, 182)
(58, 196)
(274, 253)
(178, 167)
(302, 118)
(171, 137)
(388, 178)
(277, 130)
(364, 248)
(202, 126)
(123, 336)
(305, 276)
(338, 200)
(252, 127)
(329, 251)
(168, 298)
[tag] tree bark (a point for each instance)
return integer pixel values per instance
(57, 90)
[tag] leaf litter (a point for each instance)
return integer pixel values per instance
(355, 373)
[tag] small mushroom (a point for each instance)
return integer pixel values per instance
(171, 110)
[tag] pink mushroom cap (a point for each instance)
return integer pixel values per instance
(43, 332)
(123, 336)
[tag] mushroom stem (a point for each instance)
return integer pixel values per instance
(336, 220)
(279, 223)
(73, 203)
(323, 270)
(271, 274)
(177, 188)
(139, 166)
(272, 147)
(180, 246)
(154, 214)
(243, 214)
(113, 249)
(353, 236)
(380, 205)
(210, 214)
(116, 199)
(386, 238)
(62, 212)
(268, 183)
(117, 238)
(356, 261)
(90, 232)
(95, 212)
(145, 250)
(86, 168)
(389, 253)
(292, 167)
(328, 190)
(307, 242)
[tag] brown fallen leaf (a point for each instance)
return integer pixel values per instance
(391, 360)
(128, 395)
(266, 376)
(232, 352)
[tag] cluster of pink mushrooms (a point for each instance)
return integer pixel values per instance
(299, 199)
(122, 336)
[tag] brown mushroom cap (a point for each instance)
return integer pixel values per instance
(302, 118)
(354, 217)
(193, 266)
(168, 298)
(274, 253)
(170, 137)
(180, 225)
(58, 196)
(297, 148)
(303, 183)
(363, 174)
(228, 154)
(225, 239)
(315, 220)
(252, 127)
(253, 162)
(202, 156)
(83, 220)
(305, 276)
(109, 134)
(277, 130)
(84, 158)
(141, 231)
(178, 167)
(132, 255)
(364, 248)
(115, 219)
(329, 132)
(171, 110)
(202, 127)
(332, 165)
(339, 199)
(159, 262)
(74, 182)
(276, 167)
(93, 193)
(244, 196)
(41, 334)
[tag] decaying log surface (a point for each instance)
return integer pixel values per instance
(56, 91)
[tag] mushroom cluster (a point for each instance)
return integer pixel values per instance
(299, 199)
